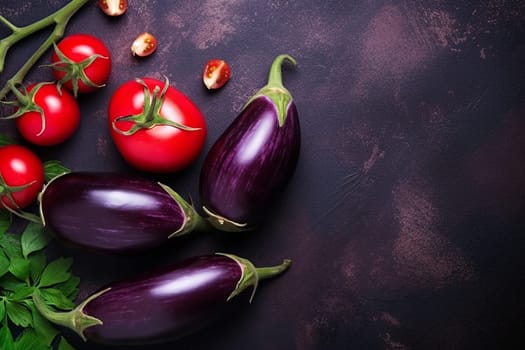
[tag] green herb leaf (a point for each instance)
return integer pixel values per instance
(55, 297)
(8, 282)
(56, 272)
(43, 327)
(19, 268)
(11, 245)
(6, 338)
(29, 339)
(70, 287)
(5, 221)
(4, 264)
(22, 293)
(33, 239)
(64, 345)
(4, 140)
(18, 313)
(54, 168)
(37, 263)
(2, 310)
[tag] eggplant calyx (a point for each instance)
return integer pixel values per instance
(150, 115)
(192, 220)
(223, 224)
(25, 103)
(275, 90)
(251, 275)
(75, 319)
(75, 71)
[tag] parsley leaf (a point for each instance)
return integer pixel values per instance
(33, 239)
(24, 270)
(6, 338)
(5, 221)
(56, 272)
(18, 313)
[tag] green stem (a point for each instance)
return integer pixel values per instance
(251, 275)
(60, 19)
(275, 90)
(275, 76)
(75, 319)
(150, 115)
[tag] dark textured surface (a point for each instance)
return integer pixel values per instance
(404, 219)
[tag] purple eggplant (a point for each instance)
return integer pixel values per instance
(164, 305)
(250, 164)
(114, 213)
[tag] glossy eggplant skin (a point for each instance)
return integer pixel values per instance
(110, 212)
(165, 305)
(251, 163)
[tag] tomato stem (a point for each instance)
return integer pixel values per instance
(59, 18)
(150, 115)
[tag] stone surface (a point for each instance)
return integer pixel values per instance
(404, 219)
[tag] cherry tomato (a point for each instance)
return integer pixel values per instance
(51, 116)
(21, 176)
(144, 45)
(81, 63)
(113, 7)
(216, 73)
(155, 127)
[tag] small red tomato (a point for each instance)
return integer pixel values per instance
(113, 7)
(51, 116)
(216, 73)
(155, 127)
(21, 176)
(81, 63)
(144, 45)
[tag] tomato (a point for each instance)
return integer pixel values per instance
(216, 73)
(21, 176)
(155, 127)
(144, 45)
(50, 117)
(113, 7)
(81, 63)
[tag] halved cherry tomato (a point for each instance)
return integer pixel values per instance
(50, 116)
(81, 63)
(144, 45)
(21, 176)
(113, 7)
(155, 127)
(216, 73)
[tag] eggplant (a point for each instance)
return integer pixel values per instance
(114, 213)
(251, 163)
(164, 305)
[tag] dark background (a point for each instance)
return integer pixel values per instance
(405, 219)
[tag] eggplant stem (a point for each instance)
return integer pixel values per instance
(275, 90)
(272, 271)
(75, 319)
(251, 275)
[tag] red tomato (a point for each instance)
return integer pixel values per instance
(144, 45)
(57, 120)
(155, 127)
(82, 63)
(113, 7)
(21, 176)
(216, 73)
